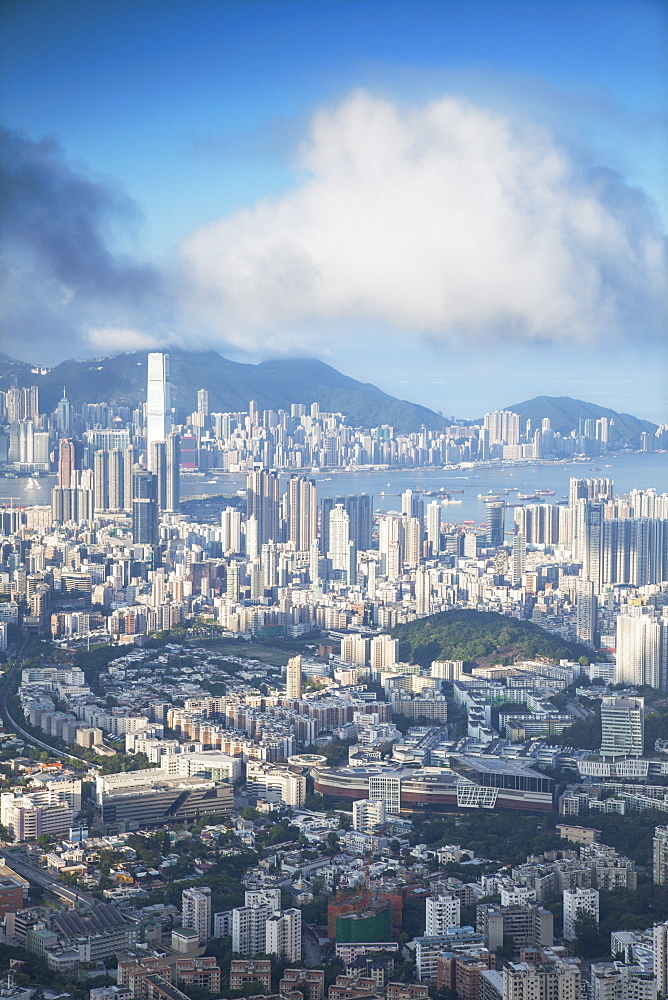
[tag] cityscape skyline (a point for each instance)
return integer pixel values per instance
(417, 191)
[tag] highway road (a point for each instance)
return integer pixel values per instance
(37, 876)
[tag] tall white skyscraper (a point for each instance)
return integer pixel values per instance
(642, 649)
(158, 400)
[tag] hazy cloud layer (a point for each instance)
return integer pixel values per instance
(448, 221)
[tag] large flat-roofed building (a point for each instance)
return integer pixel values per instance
(468, 783)
(13, 891)
(142, 799)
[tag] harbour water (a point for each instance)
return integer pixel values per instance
(627, 470)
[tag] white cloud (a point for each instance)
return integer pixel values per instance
(110, 338)
(446, 221)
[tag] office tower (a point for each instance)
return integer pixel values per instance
(66, 462)
(116, 471)
(339, 537)
(579, 901)
(361, 526)
(144, 507)
(284, 935)
(518, 558)
(294, 677)
(173, 472)
(660, 936)
(496, 522)
(196, 911)
(158, 464)
(203, 404)
(642, 650)
(101, 473)
(442, 912)
(249, 925)
(158, 401)
(302, 512)
(64, 414)
(660, 855)
(351, 564)
(434, 526)
(588, 535)
(262, 503)
(230, 535)
(585, 612)
(622, 727)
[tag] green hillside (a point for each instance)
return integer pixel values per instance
(481, 637)
(565, 413)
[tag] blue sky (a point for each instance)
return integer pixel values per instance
(218, 158)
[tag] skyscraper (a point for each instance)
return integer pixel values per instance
(496, 520)
(585, 611)
(294, 677)
(339, 537)
(642, 650)
(66, 462)
(262, 503)
(302, 512)
(196, 911)
(173, 472)
(158, 401)
(144, 507)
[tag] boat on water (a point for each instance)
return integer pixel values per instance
(451, 500)
(544, 493)
(488, 496)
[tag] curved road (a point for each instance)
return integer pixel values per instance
(13, 726)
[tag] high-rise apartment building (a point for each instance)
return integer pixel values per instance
(660, 936)
(368, 814)
(642, 649)
(339, 537)
(249, 925)
(558, 980)
(442, 912)
(577, 902)
(158, 400)
(196, 911)
(585, 612)
(262, 503)
(284, 935)
(660, 855)
(294, 677)
(302, 512)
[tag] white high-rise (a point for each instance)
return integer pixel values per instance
(579, 901)
(339, 537)
(196, 911)
(294, 677)
(442, 912)
(642, 650)
(158, 401)
(368, 814)
(249, 928)
(284, 935)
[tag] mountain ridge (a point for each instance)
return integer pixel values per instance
(275, 384)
